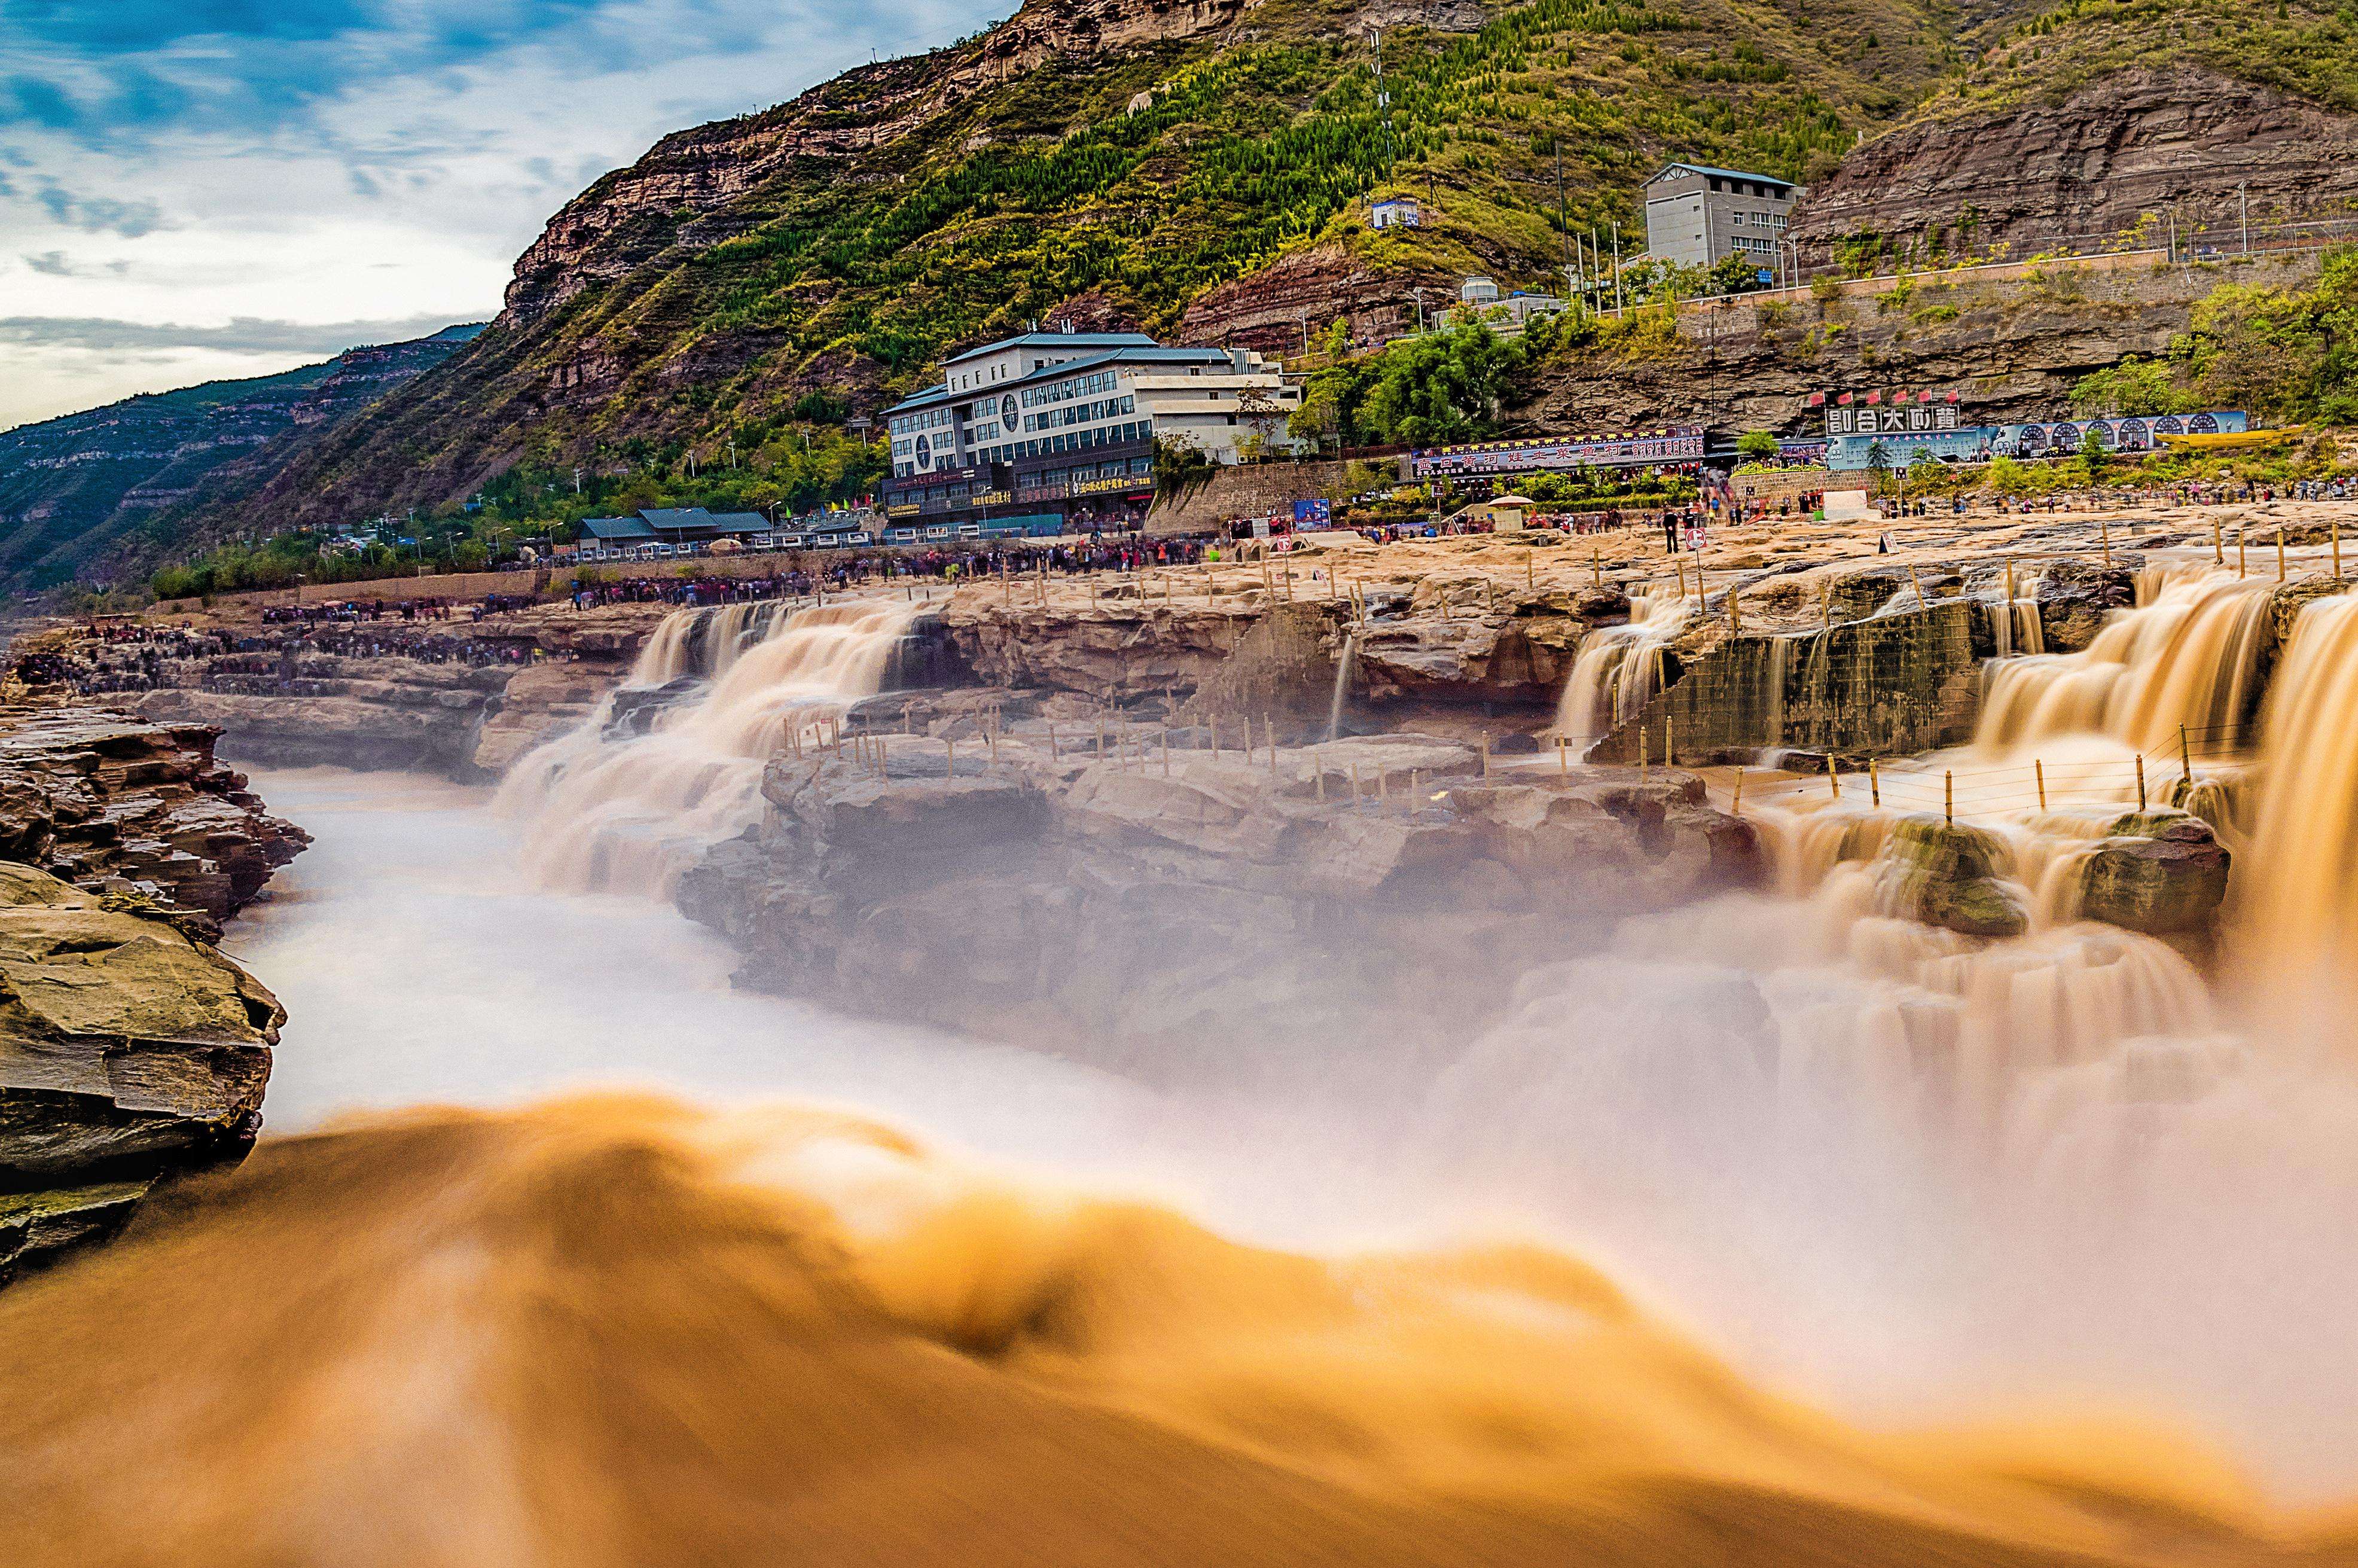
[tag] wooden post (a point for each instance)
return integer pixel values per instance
(2239, 550)
(1101, 739)
(1735, 624)
(1948, 796)
(2104, 533)
(1318, 773)
(1919, 584)
(1645, 745)
(2185, 757)
(2333, 524)
(1415, 785)
(993, 735)
(2009, 581)
(1562, 759)
(1268, 734)
(1737, 809)
(1597, 567)
(1528, 581)
(949, 758)
(1486, 753)
(2038, 771)
(1166, 750)
(1874, 784)
(2280, 566)
(1833, 779)
(1826, 604)
(1670, 741)
(2140, 773)
(2218, 545)
(880, 768)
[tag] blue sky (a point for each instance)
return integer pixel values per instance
(195, 189)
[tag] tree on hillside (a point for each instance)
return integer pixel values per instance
(1878, 463)
(2093, 456)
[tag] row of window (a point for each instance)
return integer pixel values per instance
(926, 419)
(1762, 220)
(1065, 391)
(1080, 414)
(1076, 441)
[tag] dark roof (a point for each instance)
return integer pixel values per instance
(1066, 340)
(1722, 174)
(676, 522)
(675, 519)
(1148, 352)
(617, 528)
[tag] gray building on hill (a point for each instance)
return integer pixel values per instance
(1696, 215)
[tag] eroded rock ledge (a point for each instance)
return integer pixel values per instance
(130, 1049)
(1163, 907)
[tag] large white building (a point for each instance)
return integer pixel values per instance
(1066, 422)
(1696, 215)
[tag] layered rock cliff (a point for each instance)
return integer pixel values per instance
(2180, 149)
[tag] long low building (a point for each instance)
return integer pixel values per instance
(1066, 423)
(1674, 446)
(1854, 452)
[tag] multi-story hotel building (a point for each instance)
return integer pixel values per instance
(1063, 424)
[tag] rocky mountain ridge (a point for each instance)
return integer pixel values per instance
(74, 488)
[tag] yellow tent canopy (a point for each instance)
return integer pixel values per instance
(2232, 440)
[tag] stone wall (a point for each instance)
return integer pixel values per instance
(1245, 490)
(1888, 686)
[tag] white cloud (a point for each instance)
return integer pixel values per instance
(394, 176)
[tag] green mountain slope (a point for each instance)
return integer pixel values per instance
(1111, 163)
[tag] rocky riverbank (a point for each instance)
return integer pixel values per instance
(131, 1050)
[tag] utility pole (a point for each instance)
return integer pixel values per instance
(1305, 334)
(1617, 268)
(1419, 295)
(1563, 214)
(2244, 202)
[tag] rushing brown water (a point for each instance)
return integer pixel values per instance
(1922, 1178)
(617, 1332)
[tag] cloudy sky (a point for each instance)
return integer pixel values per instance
(198, 189)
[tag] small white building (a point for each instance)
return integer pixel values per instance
(1398, 212)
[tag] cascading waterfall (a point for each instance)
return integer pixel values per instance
(2016, 620)
(1347, 670)
(1617, 669)
(2187, 656)
(632, 814)
(1992, 1016)
(2297, 902)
